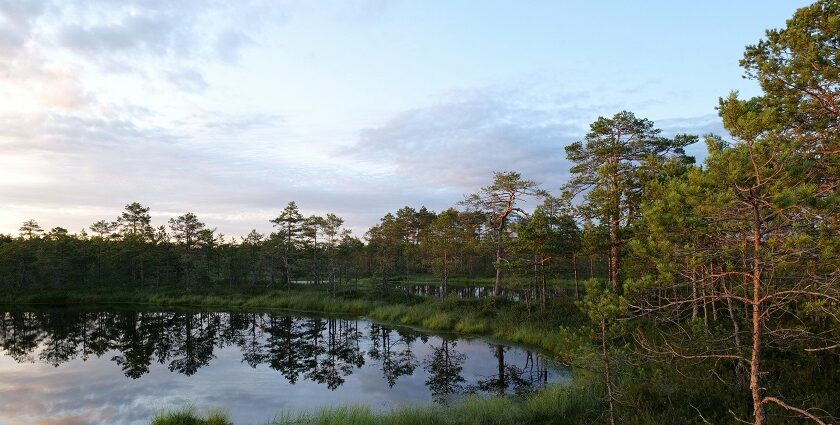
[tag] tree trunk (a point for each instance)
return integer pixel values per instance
(287, 273)
(315, 271)
(607, 371)
(735, 328)
(273, 273)
(445, 274)
(574, 271)
(694, 307)
(498, 269)
(614, 253)
(759, 413)
(542, 283)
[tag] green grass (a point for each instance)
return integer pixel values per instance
(455, 282)
(188, 416)
(578, 403)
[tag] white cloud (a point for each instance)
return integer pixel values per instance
(463, 139)
(108, 102)
(188, 79)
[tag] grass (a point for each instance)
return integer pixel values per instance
(188, 416)
(455, 282)
(578, 403)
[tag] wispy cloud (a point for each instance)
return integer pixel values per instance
(233, 108)
(459, 141)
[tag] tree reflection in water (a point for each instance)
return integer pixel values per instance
(444, 367)
(322, 350)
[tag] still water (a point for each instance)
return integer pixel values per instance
(120, 366)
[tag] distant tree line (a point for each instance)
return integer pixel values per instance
(129, 252)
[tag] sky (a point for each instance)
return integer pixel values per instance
(231, 109)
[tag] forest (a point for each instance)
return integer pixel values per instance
(682, 291)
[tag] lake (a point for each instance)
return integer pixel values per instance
(122, 365)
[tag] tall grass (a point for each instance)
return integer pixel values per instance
(574, 404)
(188, 416)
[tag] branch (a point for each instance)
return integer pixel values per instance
(671, 351)
(705, 421)
(811, 350)
(713, 297)
(802, 412)
(738, 419)
(798, 292)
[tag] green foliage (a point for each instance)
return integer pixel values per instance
(602, 303)
(611, 167)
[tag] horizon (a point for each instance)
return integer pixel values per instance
(232, 111)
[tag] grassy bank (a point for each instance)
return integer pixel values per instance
(572, 404)
(487, 282)
(189, 416)
(555, 405)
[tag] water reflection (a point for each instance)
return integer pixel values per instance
(180, 355)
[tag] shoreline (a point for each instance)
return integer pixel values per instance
(499, 319)
(490, 319)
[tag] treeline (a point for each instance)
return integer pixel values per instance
(129, 252)
(731, 266)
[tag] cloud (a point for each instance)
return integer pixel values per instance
(700, 126)
(10, 40)
(460, 141)
(152, 39)
(19, 14)
(229, 43)
(232, 124)
(153, 32)
(71, 169)
(188, 79)
(114, 102)
(74, 150)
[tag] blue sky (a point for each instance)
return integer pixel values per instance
(230, 109)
